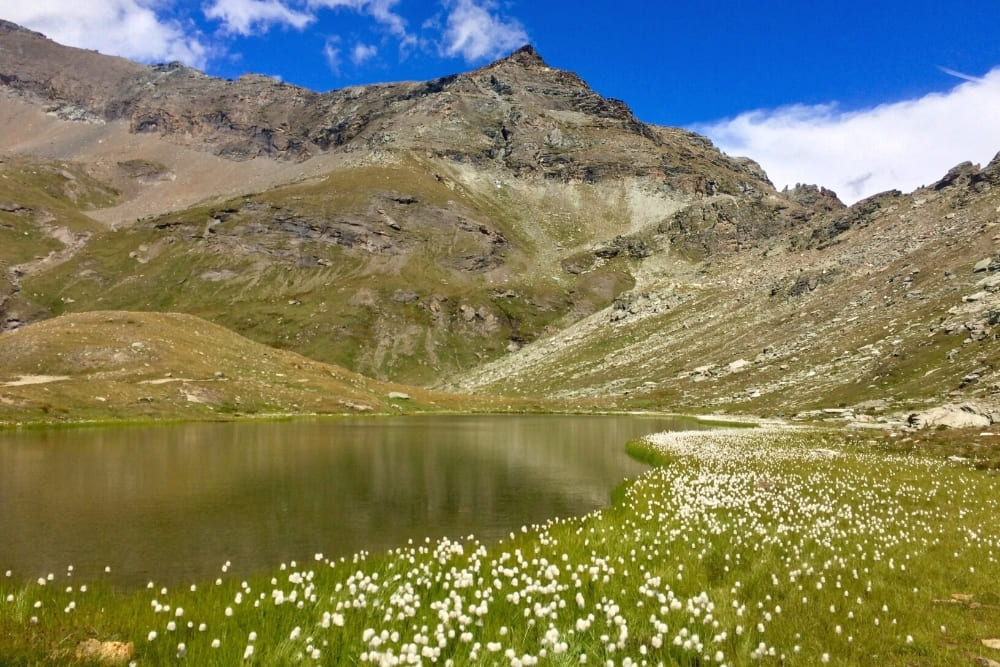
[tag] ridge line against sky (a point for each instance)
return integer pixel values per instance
(859, 98)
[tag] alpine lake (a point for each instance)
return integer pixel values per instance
(175, 503)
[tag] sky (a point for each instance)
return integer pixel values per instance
(859, 97)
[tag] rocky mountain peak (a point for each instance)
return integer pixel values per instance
(7, 26)
(814, 197)
(526, 57)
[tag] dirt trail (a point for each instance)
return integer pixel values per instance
(72, 243)
(34, 379)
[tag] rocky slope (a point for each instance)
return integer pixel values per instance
(507, 228)
(887, 307)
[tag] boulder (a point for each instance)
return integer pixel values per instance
(965, 415)
(737, 365)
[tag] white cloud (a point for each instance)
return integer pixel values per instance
(362, 53)
(332, 54)
(247, 17)
(129, 28)
(380, 10)
(902, 145)
(474, 32)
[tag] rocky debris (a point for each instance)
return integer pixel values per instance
(987, 264)
(730, 224)
(804, 283)
(15, 208)
(398, 396)
(145, 171)
(860, 215)
(642, 304)
(978, 311)
(736, 366)
(829, 414)
(482, 317)
(964, 415)
(633, 247)
(405, 296)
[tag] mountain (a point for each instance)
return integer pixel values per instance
(506, 230)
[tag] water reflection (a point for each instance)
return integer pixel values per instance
(172, 503)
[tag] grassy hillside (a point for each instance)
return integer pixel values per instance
(131, 365)
(395, 271)
(42, 218)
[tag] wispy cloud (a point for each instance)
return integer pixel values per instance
(858, 153)
(248, 17)
(134, 29)
(331, 52)
(474, 31)
(383, 11)
(959, 75)
(362, 53)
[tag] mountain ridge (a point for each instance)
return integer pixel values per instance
(504, 230)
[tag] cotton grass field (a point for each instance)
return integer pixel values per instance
(741, 546)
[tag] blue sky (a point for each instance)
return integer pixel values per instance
(857, 96)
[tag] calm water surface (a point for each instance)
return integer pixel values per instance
(173, 503)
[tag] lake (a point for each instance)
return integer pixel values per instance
(172, 503)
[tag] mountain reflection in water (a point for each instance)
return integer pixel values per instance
(173, 503)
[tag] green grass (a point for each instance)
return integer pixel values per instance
(793, 548)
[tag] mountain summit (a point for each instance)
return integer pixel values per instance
(526, 56)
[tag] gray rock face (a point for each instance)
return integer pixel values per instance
(965, 415)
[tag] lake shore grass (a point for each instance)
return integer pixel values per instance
(772, 545)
